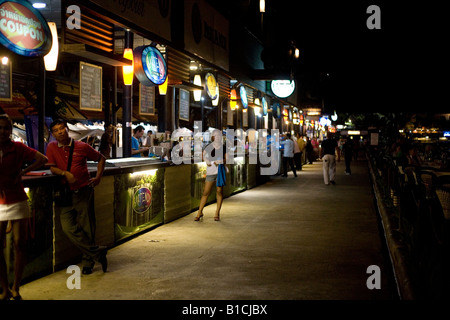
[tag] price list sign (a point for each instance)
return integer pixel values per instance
(146, 100)
(184, 105)
(90, 87)
(5, 82)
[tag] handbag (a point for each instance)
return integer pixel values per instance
(62, 195)
(221, 176)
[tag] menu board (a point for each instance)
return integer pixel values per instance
(184, 105)
(90, 87)
(146, 100)
(5, 82)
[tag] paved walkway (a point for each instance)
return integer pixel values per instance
(289, 239)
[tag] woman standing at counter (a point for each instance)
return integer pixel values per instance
(214, 155)
(14, 201)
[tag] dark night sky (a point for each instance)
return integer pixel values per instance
(398, 68)
(394, 68)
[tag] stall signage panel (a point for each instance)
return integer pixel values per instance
(150, 66)
(150, 15)
(23, 30)
(206, 32)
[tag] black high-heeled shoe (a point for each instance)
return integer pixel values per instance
(198, 218)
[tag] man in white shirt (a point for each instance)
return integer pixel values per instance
(288, 155)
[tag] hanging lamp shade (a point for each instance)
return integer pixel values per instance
(197, 82)
(51, 58)
(233, 97)
(128, 71)
(163, 87)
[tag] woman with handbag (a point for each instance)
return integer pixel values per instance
(14, 205)
(214, 156)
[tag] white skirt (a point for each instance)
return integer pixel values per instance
(15, 211)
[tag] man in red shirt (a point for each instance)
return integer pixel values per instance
(78, 219)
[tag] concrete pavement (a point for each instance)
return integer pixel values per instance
(289, 239)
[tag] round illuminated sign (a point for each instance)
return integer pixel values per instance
(142, 200)
(150, 67)
(211, 85)
(23, 29)
(283, 88)
(243, 93)
(264, 106)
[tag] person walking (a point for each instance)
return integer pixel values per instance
(215, 156)
(288, 155)
(348, 155)
(309, 151)
(77, 218)
(297, 154)
(328, 150)
(14, 205)
(301, 144)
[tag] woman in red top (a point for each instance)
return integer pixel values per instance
(14, 201)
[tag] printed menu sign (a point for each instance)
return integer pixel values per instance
(5, 82)
(184, 105)
(146, 100)
(90, 87)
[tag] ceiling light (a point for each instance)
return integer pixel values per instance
(39, 5)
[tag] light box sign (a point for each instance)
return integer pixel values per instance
(264, 106)
(23, 29)
(211, 85)
(243, 94)
(283, 88)
(150, 67)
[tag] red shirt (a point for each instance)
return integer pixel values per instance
(11, 186)
(59, 155)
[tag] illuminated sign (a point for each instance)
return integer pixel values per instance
(142, 200)
(446, 133)
(243, 93)
(23, 30)
(211, 85)
(283, 88)
(150, 67)
(264, 106)
(277, 109)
